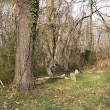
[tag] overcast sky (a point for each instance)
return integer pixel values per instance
(83, 7)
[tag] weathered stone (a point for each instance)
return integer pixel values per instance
(73, 76)
(49, 72)
(76, 72)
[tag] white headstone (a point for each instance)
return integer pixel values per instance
(76, 72)
(73, 76)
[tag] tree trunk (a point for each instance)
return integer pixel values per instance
(52, 33)
(91, 39)
(23, 71)
(2, 40)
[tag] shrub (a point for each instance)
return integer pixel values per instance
(88, 57)
(7, 62)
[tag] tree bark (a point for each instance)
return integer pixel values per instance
(25, 44)
(2, 41)
(91, 39)
(52, 33)
(23, 77)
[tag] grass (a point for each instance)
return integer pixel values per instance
(90, 92)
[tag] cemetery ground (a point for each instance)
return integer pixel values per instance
(91, 91)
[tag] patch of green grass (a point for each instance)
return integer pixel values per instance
(4, 93)
(90, 92)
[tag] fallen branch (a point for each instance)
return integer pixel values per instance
(53, 77)
(63, 76)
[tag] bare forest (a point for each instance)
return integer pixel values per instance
(42, 40)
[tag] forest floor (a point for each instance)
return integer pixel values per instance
(90, 92)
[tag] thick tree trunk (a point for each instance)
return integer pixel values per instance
(23, 76)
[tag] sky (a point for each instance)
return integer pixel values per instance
(83, 7)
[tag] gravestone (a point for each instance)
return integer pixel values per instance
(73, 76)
(49, 72)
(76, 72)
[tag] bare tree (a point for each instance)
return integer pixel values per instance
(91, 40)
